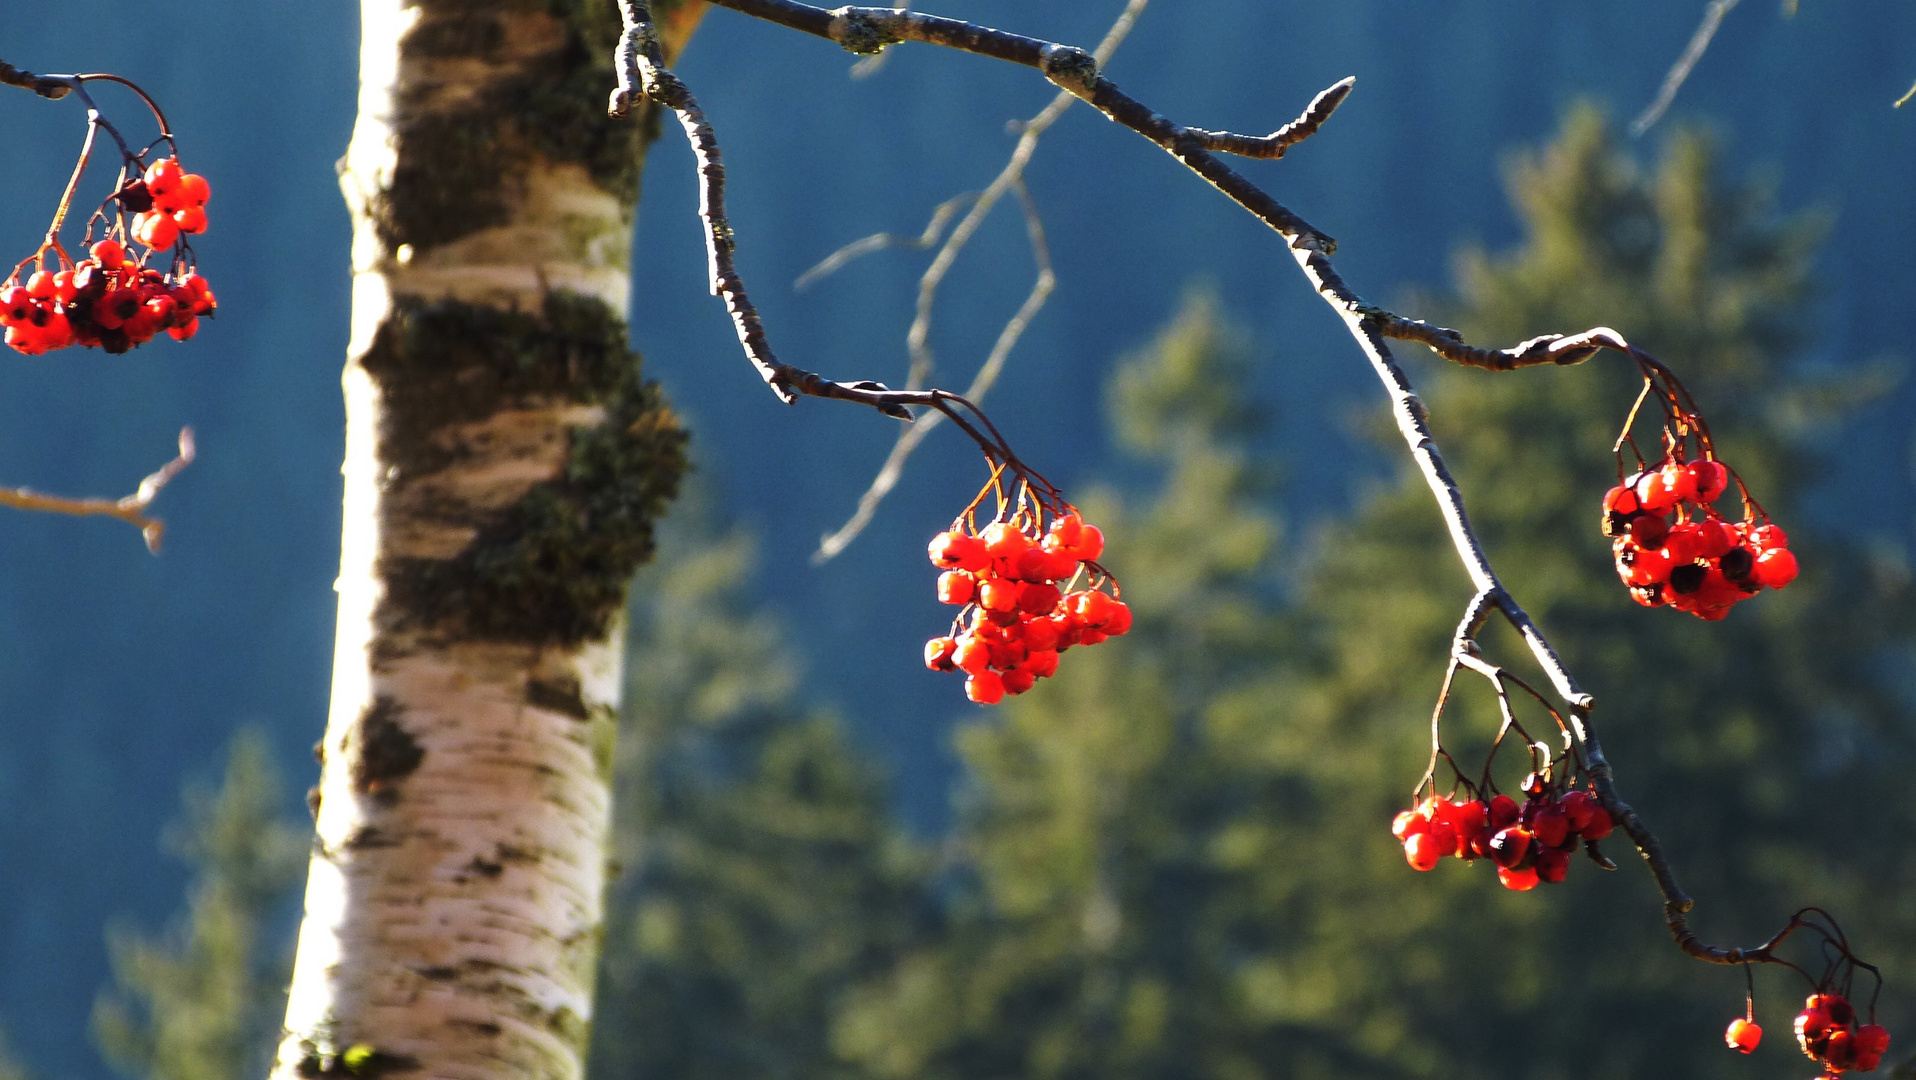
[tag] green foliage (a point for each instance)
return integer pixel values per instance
(764, 876)
(204, 1000)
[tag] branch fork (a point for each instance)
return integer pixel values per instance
(130, 509)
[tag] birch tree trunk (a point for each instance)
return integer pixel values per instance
(504, 463)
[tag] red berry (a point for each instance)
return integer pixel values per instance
(1422, 851)
(972, 654)
(1655, 495)
(997, 594)
(1775, 568)
(1620, 500)
(40, 285)
(956, 587)
(1839, 1052)
(1038, 597)
(1645, 566)
(156, 230)
(1120, 620)
(1042, 663)
(1600, 824)
(1715, 539)
(166, 169)
(1553, 865)
(1648, 530)
(1679, 480)
(195, 190)
(1742, 1035)
(1006, 655)
(985, 688)
(1766, 537)
(1579, 807)
(1065, 529)
(1517, 880)
(1089, 609)
(191, 219)
(1504, 811)
(1041, 635)
(1004, 541)
(1551, 826)
(1408, 823)
(951, 550)
(1711, 479)
(938, 654)
(109, 254)
(1036, 564)
(1872, 1039)
(1018, 679)
(1090, 544)
(1510, 845)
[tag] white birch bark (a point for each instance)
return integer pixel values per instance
(454, 904)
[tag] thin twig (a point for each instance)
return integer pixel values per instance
(869, 30)
(51, 87)
(131, 509)
(918, 338)
(909, 438)
(941, 216)
(1904, 100)
(1680, 71)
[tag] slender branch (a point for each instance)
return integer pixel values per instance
(1680, 71)
(1274, 145)
(918, 338)
(941, 216)
(131, 509)
(909, 438)
(1904, 100)
(51, 87)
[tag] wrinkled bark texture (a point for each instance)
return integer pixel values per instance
(504, 464)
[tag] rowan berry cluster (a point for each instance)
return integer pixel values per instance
(1529, 842)
(1027, 593)
(1827, 1031)
(1673, 548)
(109, 301)
(113, 299)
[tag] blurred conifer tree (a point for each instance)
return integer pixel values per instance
(764, 875)
(203, 1001)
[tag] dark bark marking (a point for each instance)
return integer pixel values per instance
(387, 753)
(559, 695)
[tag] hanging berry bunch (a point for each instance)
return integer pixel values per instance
(1531, 842)
(1673, 546)
(1827, 1028)
(1027, 583)
(137, 277)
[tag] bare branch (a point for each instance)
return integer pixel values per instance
(1680, 71)
(918, 338)
(1274, 145)
(131, 509)
(1904, 100)
(987, 376)
(51, 87)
